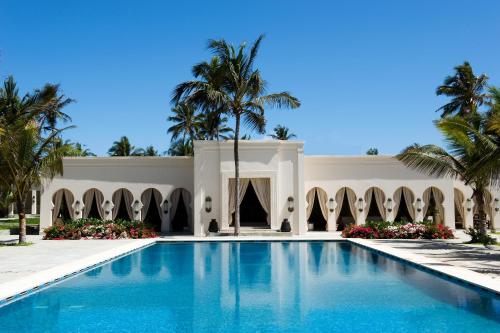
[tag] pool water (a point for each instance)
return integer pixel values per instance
(254, 287)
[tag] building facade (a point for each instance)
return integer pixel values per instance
(321, 193)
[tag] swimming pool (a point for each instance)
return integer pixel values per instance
(254, 287)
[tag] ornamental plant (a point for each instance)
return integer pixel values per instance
(386, 230)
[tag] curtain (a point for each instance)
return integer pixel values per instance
(351, 198)
(408, 195)
(311, 195)
(438, 198)
(99, 198)
(459, 204)
(57, 204)
(186, 197)
(339, 198)
(243, 188)
(158, 199)
(117, 199)
(368, 200)
(127, 199)
(323, 202)
(88, 198)
(488, 207)
(426, 198)
(397, 200)
(262, 187)
(174, 201)
(146, 201)
(379, 200)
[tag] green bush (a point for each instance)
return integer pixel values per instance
(477, 237)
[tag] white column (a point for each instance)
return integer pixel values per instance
(33, 202)
(11, 210)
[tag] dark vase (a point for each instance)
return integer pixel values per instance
(213, 226)
(285, 226)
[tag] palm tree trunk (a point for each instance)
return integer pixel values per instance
(22, 221)
(479, 194)
(237, 177)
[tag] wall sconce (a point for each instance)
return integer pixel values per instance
(331, 205)
(33, 199)
(137, 207)
(77, 207)
(165, 206)
(290, 204)
(497, 205)
(419, 205)
(107, 208)
(389, 205)
(208, 204)
(360, 204)
(468, 204)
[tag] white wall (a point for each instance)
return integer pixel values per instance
(111, 173)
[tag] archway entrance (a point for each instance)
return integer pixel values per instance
(251, 212)
(255, 202)
(151, 208)
(122, 201)
(63, 201)
(346, 208)
(180, 200)
(433, 205)
(374, 199)
(403, 200)
(317, 211)
(93, 200)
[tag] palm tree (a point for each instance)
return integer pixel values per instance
(239, 92)
(466, 90)
(213, 126)
(150, 151)
(181, 148)
(372, 151)
(282, 133)
(29, 143)
(77, 149)
(473, 157)
(123, 147)
(186, 122)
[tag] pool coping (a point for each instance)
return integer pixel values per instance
(12, 290)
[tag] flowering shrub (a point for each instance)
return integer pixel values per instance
(98, 229)
(386, 230)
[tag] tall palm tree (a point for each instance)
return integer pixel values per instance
(466, 90)
(213, 126)
(123, 147)
(77, 149)
(240, 93)
(180, 147)
(29, 143)
(186, 122)
(282, 133)
(473, 158)
(151, 151)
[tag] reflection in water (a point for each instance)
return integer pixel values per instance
(254, 286)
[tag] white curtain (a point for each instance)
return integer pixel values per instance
(438, 199)
(186, 197)
(158, 199)
(426, 198)
(339, 198)
(146, 201)
(174, 201)
(127, 199)
(351, 198)
(408, 195)
(57, 204)
(379, 200)
(323, 202)
(242, 188)
(397, 200)
(311, 195)
(459, 204)
(88, 200)
(262, 187)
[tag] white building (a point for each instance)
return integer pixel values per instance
(278, 182)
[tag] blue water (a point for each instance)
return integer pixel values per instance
(254, 287)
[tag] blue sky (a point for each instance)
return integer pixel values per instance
(365, 71)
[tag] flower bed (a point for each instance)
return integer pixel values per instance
(98, 229)
(386, 230)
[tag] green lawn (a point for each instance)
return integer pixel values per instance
(5, 225)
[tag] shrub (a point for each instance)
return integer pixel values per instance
(477, 237)
(92, 228)
(386, 230)
(356, 231)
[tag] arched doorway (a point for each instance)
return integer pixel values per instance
(180, 216)
(317, 209)
(63, 205)
(151, 213)
(93, 200)
(458, 203)
(122, 205)
(255, 202)
(488, 207)
(346, 207)
(251, 212)
(403, 205)
(433, 205)
(374, 200)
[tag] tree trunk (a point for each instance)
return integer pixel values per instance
(479, 195)
(237, 177)
(22, 221)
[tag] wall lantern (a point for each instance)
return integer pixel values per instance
(33, 199)
(497, 205)
(107, 207)
(468, 204)
(360, 204)
(389, 205)
(331, 205)
(137, 206)
(290, 204)
(77, 207)
(419, 205)
(165, 206)
(208, 204)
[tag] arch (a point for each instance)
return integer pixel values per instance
(403, 204)
(346, 207)
(93, 200)
(433, 207)
(374, 204)
(62, 201)
(180, 212)
(152, 212)
(488, 205)
(317, 208)
(122, 204)
(458, 203)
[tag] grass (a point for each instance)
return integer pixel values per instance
(7, 225)
(16, 244)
